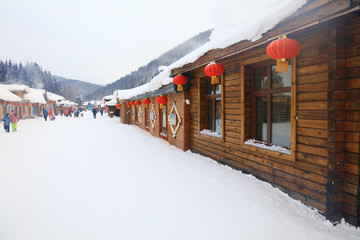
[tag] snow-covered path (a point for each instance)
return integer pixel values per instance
(85, 179)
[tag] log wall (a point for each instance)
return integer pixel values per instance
(321, 106)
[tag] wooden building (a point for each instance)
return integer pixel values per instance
(311, 113)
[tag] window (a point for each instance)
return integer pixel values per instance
(271, 97)
(213, 107)
(163, 129)
(136, 114)
(147, 121)
(211, 118)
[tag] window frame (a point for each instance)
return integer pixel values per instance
(202, 106)
(259, 61)
(161, 128)
(147, 117)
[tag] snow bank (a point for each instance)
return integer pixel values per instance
(221, 38)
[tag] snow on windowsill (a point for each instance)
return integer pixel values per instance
(275, 148)
(210, 133)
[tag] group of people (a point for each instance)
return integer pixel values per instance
(49, 114)
(10, 118)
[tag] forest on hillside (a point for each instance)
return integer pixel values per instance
(145, 73)
(31, 75)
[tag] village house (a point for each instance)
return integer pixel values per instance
(296, 126)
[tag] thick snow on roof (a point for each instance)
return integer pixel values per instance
(35, 96)
(108, 98)
(252, 30)
(112, 102)
(6, 95)
(17, 87)
(54, 97)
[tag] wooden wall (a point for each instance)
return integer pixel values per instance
(320, 127)
(352, 121)
(180, 140)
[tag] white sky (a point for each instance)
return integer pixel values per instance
(101, 41)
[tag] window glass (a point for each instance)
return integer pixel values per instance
(281, 122)
(218, 89)
(261, 119)
(218, 115)
(210, 115)
(280, 80)
(260, 78)
(164, 117)
(209, 88)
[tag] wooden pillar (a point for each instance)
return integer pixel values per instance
(336, 122)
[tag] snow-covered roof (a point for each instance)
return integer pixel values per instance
(6, 95)
(112, 102)
(54, 97)
(108, 98)
(251, 30)
(35, 95)
(15, 87)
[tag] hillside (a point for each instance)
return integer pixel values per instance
(72, 88)
(145, 73)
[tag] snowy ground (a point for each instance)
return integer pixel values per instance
(78, 179)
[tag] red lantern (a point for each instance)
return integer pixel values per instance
(127, 104)
(107, 108)
(137, 103)
(39, 104)
(118, 106)
(4, 102)
(162, 100)
(146, 102)
(282, 50)
(131, 103)
(180, 80)
(214, 70)
(11, 102)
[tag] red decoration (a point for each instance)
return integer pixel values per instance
(180, 80)
(162, 100)
(118, 106)
(4, 102)
(107, 108)
(214, 70)
(127, 104)
(131, 103)
(282, 50)
(146, 102)
(137, 103)
(39, 104)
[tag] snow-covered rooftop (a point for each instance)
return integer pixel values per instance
(35, 95)
(251, 30)
(6, 95)
(16, 87)
(54, 97)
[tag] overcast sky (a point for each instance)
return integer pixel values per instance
(99, 41)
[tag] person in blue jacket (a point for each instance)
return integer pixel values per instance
(46, 113)
(6, 121)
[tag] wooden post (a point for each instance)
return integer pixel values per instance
(335, 147)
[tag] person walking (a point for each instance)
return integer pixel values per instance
(6, 121)
(45, 113)
(102, 111)
(94, 110)
(14, 120)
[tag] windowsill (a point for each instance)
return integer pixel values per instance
(251, 142)
(210, 133)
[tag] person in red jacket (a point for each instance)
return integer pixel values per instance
(14, 120)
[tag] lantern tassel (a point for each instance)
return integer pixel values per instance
(180, 88)
(215, 80)
(282, 66)
(161, 106)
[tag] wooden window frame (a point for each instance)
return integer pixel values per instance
(202, 106)
(293, 113)
(147, 117)
(161, 122)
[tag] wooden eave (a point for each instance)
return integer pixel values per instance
(313, 13)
